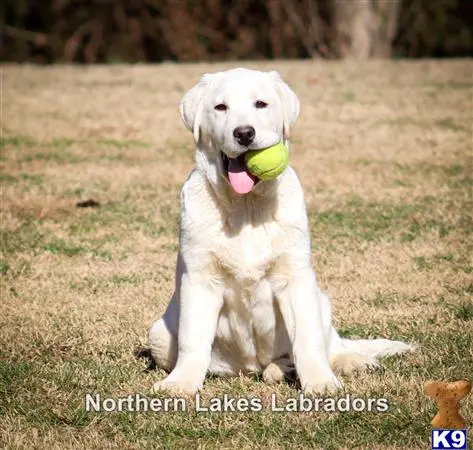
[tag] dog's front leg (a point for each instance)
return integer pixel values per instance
(200, 304)
(300, 306)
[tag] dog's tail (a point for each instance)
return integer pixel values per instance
(377, 347)
(349, 355)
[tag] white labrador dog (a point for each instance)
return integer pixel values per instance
(246, 298)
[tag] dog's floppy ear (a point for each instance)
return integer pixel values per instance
(289, 102)
(192, 104)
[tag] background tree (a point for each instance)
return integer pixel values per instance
(89, 31)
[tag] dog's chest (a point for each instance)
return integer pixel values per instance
(248, 255)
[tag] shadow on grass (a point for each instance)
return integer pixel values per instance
(144, 353)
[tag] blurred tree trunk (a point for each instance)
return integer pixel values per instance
(365, 28)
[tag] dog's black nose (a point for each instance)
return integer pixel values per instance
(244, 134)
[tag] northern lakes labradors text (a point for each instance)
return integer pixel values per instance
(228, 403)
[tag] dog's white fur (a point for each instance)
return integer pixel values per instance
(246, 297)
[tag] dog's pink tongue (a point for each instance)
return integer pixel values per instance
(241, 180)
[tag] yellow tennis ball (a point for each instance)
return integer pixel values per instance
(267, 163)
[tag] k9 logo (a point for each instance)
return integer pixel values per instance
(449, 439)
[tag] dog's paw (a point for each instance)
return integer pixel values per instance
(175, 387)
(349, 362)
(325, 387)
(273, 374)
(278, 370)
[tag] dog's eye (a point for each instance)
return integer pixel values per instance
(260, 104)
(221, 107)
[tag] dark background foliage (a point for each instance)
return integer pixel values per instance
(107, 31)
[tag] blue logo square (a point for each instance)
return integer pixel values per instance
(448, 439)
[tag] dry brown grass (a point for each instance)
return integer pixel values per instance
(383, 150)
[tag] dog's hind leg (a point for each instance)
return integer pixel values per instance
(162, 341)
(345, 360)
(279, 369)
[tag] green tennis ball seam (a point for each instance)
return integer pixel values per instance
(262, 172)
(279, 150)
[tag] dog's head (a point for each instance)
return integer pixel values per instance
(235, 111)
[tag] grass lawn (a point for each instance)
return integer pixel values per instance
(384, 152)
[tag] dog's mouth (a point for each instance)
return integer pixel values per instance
(238, 175)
